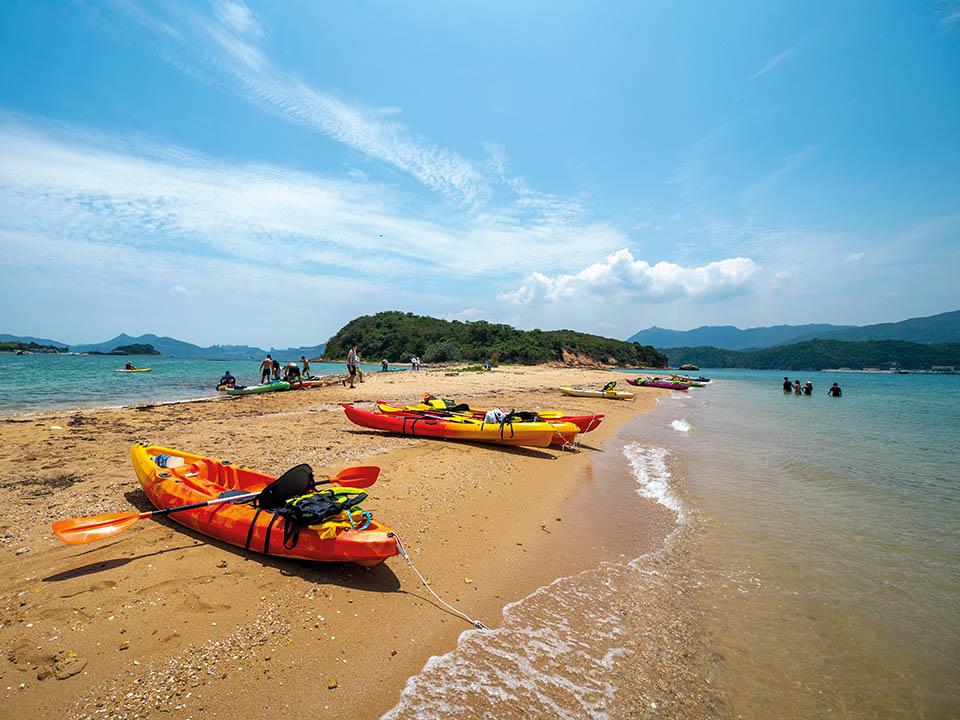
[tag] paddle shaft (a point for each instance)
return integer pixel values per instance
(215, 501)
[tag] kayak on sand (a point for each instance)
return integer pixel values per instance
(274, 386)
(444, 408)
(665, 384)
(172, 478)
(609, 394)
(424, 424)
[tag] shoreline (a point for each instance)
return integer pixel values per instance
(455, 507)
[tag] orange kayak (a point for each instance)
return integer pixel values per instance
(189, 479)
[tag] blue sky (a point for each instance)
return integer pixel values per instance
(262, 173)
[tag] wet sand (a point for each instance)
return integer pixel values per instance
(163, 622)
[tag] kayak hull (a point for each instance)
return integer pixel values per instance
(409, 423)
(658, 384)
(276, 386)
(607, 394)
(563, 435)
(200, 479)
(137, 370)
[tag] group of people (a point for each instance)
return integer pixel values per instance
(415, 363)
(271, 370)
(807, 388)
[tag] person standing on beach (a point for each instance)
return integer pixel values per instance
(276, 369)
(353, 359)
(266, 367)
(787, 385)
(835, 391)
(384, 365)
(306, 366)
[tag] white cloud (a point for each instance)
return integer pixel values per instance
(181, 290)
(854, 257)
(773, 62)
(127, 192)
(467, 315)
(620, 275)
(223, 49)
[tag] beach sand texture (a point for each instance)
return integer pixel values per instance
(163, 622)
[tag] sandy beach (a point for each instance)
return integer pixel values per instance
(163, 622)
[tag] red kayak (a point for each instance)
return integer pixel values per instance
(533, 434)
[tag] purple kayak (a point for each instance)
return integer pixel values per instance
(665, 384)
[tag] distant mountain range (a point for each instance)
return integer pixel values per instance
(944, 327)
(822, 354)
(178, 348)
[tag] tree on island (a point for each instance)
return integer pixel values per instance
(135, 349)
(399, 336)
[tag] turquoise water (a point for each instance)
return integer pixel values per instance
(831, 538)
(817, 564)
(30, 383)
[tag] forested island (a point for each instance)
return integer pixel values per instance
(398, 336)
(135, 349)
(822, 354)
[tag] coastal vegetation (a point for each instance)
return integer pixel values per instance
(822, 354)
(134, 349)
(398, 336)
(15, 346)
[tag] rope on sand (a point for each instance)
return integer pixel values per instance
(479, 625)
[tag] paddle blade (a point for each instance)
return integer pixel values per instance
(77, 531)
(358, 477)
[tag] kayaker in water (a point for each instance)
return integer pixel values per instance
(306, 366)
(227, 379)
(129, 366)
(266, 367)
(835, 391)
(787, 385)
(808, 388)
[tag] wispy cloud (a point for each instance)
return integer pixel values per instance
(224, 48)
(773, 62)
(621, 276)
(181, 290)
(854, 257)
(126, 192)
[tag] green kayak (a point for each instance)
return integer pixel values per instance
(255, 389)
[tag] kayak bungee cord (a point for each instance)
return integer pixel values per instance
(479, 625)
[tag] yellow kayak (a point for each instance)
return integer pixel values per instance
(609, 394)
(137, 370)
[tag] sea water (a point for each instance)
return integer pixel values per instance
(814, 572)
(40, 381)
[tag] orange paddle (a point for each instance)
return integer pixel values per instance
(77, 531)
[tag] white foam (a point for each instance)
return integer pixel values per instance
(681, 426)
(650, 468)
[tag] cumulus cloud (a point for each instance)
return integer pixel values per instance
(467, 315)
(620, 275)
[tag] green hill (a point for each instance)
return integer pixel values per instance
(135, 349)
(821, 354)
(399, 336)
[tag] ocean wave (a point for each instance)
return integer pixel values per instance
(649, 465)
(681, 426)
